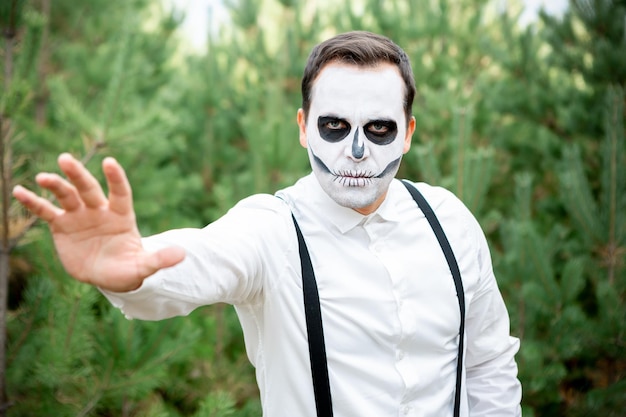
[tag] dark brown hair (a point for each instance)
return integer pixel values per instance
(363, 49)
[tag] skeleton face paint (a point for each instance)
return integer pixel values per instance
(356, 132)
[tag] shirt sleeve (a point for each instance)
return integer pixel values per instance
(230, 260)
(492, 384)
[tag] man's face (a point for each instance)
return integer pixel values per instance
(356, 132)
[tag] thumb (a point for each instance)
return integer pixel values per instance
(162, 258)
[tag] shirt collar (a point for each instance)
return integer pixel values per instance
(346, 219)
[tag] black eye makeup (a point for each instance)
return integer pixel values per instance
(381, 132)
(333, 129)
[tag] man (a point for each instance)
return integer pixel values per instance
(390, 310)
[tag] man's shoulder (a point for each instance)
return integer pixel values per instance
(261, 205)
(437, 196)
(447, 206)
(299, 188)
(262, 218)
(305, 192)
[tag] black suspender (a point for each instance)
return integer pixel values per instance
(458, 283)
(315, 332)
(313, 315)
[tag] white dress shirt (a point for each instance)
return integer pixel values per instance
(389, 306)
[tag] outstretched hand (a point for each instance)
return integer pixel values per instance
(96, 237)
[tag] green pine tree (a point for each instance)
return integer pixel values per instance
(563, 94)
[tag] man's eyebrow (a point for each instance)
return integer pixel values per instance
(373, 119)
(382, 119)
(386, 119)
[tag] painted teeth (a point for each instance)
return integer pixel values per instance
(348, 181)
(353, 174)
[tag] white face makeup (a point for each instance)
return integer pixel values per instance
(356, 132)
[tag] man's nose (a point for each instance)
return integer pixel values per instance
(356, 150)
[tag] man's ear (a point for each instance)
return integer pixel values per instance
(301, 118)
(409, 134)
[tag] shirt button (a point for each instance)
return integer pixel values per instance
(400, 355)
(407, 410)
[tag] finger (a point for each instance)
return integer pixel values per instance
(40, 207)
(89, 189)
(120, 192)
(65, 193)
(163, 258)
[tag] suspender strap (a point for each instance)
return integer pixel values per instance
(456, 275)
(315, 332)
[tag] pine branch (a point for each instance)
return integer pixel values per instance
(577, 195)
(86, 410)
(461, 149)
(113, 90)
(613, 183)
(71, 323)
(427, 162)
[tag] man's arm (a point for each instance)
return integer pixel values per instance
(95, 235)
(492, 385)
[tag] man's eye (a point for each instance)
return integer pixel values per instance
(378, 128)
(381, 132)
(336, 124)
(332, 129)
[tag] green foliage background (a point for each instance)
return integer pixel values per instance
(525, 124)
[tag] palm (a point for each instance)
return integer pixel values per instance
(98, 246)
(97, 238)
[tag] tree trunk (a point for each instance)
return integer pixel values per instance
(5, 189)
